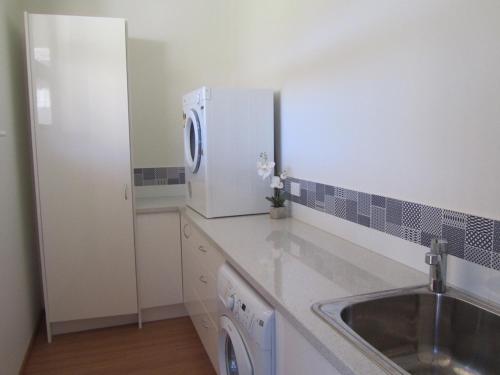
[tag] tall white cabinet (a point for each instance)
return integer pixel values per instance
(77, 70)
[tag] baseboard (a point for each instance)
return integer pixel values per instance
(29, 349)
(148, 315)
(163, 312)
(60, 328)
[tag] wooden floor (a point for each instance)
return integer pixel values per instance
(168, 347)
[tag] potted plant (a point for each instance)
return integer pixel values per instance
(264, 169)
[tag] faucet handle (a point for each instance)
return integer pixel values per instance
(432, 258)
(438, 246)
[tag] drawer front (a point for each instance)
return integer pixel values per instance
(200, 262)
(206, 290)
(193, 306)
(207, 254)
(188, 285)
(207, 331)
(199, 278)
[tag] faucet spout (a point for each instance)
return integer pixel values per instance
(436, 259)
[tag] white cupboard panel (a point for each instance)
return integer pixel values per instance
(206, 253)
(200, 286)
(159, 259)
(206, 329)
(203, 282)
(295, 355)
(80, 130)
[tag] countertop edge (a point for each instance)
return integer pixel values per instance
(155, 210)
(152, 205)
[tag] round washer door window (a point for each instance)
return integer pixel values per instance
(231, 361)
(233, 356)
(192, 141)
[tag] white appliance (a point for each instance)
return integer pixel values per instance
(77, 69)
(225, 130)
(247, 328)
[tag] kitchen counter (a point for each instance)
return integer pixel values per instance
(294, 265)
(159, 204)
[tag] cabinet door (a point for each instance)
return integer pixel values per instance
(188, 274)
(159, 259)
(295, 355)
(80, 130)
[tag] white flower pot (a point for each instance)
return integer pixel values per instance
(278, 212)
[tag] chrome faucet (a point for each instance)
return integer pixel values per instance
(436, 258)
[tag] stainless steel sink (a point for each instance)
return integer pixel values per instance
(419, 332)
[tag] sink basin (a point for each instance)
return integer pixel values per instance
(414, 331)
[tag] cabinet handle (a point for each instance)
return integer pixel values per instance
(184, 230)
(125, 192)
(204, 323)
(202, 249)
(203, 279)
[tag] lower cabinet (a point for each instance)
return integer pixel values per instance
(200, 262)
(159, 260)
(295, 355)
(206, 328)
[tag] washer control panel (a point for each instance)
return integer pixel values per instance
(253, 315)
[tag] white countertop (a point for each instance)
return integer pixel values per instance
(294, 265)
(159, 204)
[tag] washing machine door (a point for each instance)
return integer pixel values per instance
(233, 356)
(192, 141)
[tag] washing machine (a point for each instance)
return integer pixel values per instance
(225, 131)
(247, 327)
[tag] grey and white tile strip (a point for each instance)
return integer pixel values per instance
(472, 238)
(159, 176)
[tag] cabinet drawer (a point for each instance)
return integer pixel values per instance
(205, 252)
(193, 305)
(209, 256)
(199, 278)
(188, 287)
(207, 331)
(206, 289)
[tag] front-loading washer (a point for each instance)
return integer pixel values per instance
(247, 327)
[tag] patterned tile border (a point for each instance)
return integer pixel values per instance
(472, 238)
(159, 176)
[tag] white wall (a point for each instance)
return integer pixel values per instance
(19, 283)
(174, 47)
(397, 98)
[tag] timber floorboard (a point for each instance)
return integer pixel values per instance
(169, 347)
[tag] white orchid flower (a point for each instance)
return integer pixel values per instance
(265, 170)
(264, 166)
(284, 174)
(276, 183)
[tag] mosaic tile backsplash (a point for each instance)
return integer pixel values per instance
(472, 238)
(159, 176)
